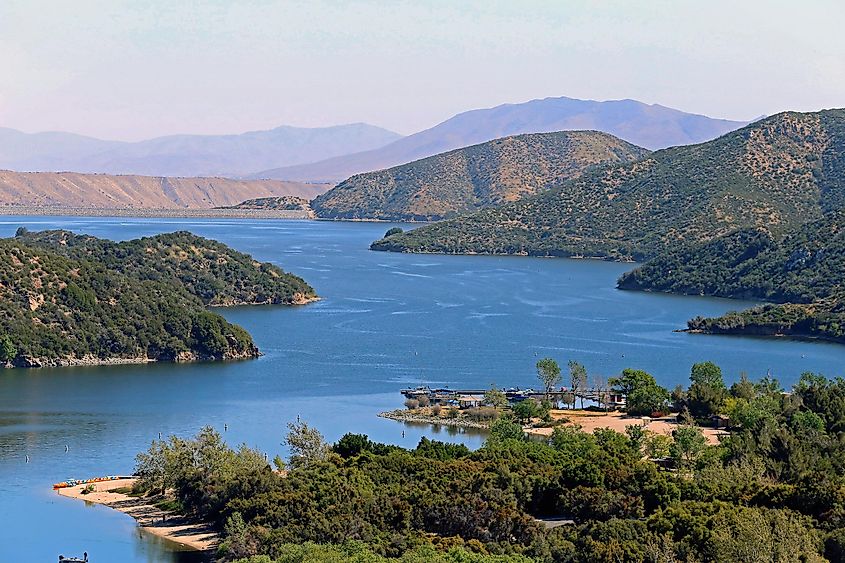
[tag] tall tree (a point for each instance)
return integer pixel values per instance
(306, 444)
(494, 397)
(548, 373)
(577, 380)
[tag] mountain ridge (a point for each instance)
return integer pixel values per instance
(185, 154)
(648, 126)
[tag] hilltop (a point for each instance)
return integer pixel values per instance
(777, 173)
(69, 299)
(650, 126)
(215, 273)
(186, 155)
(103, 191)
(471, 178)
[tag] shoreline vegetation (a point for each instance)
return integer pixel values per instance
(597, 486)
(69, 299)
(166, 524)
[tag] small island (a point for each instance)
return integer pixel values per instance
(69, 299)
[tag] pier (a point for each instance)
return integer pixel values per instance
(474, 397)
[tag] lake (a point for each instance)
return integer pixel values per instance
(386, 321)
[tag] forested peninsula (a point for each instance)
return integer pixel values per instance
(800, 274)
(69, 299)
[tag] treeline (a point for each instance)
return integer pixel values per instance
(772, 490)
(75, 299)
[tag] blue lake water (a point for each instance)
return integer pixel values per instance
(386, 321)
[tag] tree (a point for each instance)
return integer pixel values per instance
(525, 410)
(657, 446)
(495, 397)
(549, 374)
(688, 445)
(707, 373)
(394, 231)
(601, 387)
(707, 393)
(577, 380)
(637, 435)
(306, 444)
(632, 379)
(505, 429)
(646, 400)
(744, 388)
(8, 352)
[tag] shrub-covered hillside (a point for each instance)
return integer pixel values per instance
(214, 272)
(801, 272)
(770, 490)
(776, 173)
(467, 179)
(67, 299)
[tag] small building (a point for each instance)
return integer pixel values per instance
(470, 401)
(720, 421)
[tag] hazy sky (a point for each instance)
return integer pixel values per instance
(140, 68)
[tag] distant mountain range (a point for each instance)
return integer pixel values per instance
(474, 177)
(103, 191)
(649, 126)
(186, 155)
(776, 173)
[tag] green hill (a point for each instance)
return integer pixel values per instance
(210, 270)
(776, 173)
(801, 272)
(67, 299)
(467, 179)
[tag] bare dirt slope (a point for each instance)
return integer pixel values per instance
(74, 190)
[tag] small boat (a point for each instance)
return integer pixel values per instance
(416, 392)
(75, 482)
(84, 559)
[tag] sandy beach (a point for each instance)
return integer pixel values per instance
(167, 525)
(591, 421)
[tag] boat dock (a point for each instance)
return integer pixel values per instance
(474, 397)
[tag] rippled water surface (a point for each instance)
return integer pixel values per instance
(386, 321)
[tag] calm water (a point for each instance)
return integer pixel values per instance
(386, 321)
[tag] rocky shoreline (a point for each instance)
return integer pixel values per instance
(184, 358)
(409, 416)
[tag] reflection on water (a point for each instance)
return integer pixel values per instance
(386, 321)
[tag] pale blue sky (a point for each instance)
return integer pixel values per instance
(140, 68)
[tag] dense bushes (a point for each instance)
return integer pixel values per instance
(67, 298)
(772, 491)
